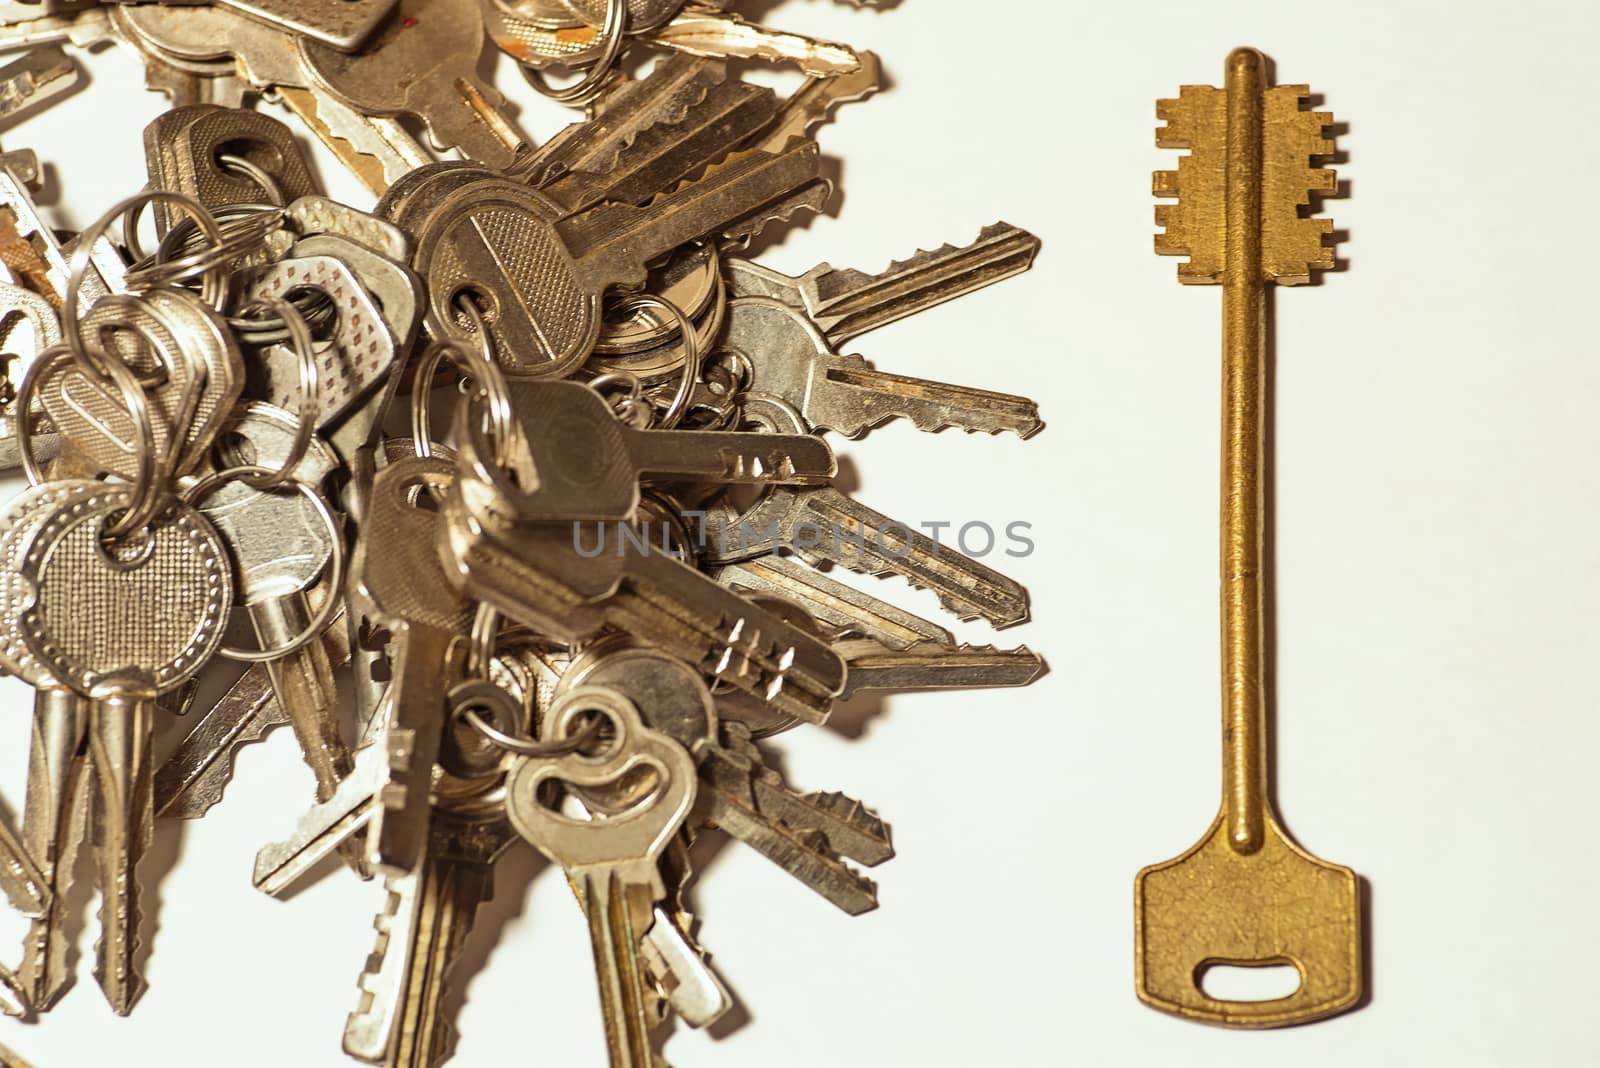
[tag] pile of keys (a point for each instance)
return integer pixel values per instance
(528, 464)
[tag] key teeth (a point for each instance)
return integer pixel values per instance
(962, 611)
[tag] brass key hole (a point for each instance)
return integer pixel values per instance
(1260, 980)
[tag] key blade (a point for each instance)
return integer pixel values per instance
(662, 98)
(323, 827)
(194, 777)
(827, 875)
(642, 159)
(854, 398)
(615, 241)
(24, 884)
(845, 304)
(844, 609)
(928, 666)
(1214, 905)
(812, 104)
(724, 34)
(1292, 245)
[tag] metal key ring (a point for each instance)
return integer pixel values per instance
(252, 476)
(573, 743)
(309, 411)
(691, 354)
(632, 402)
(491, 386)
(146, 501)
(586, 88)
(230, 163)
(214, 284)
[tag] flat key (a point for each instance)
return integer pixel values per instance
(58, 790)
(536, 574)
(543, 305)
(1246, 894)
(324, 827)
(932, 666)
(844, 303)
(401, 1020)
(745, 799)
(812, 104)
(724, 35)
(653, 133)
(826, 525)
(173, 601)
(781, 325)
(399, 582)
(613, 859)
(281, 547)
(841, 611)
(600, 480)
(424, 62)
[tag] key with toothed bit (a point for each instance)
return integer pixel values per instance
(822, 524)
(789, 330)
(542, 306)
(170, 602)
(1245, 894)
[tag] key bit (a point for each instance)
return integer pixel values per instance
(1246, 894)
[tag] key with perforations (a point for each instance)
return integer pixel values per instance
(1245, 895)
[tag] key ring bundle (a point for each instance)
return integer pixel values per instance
(567, 616)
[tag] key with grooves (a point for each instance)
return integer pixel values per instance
(1245, 894)
(540, 281)
(823, 524)
(614, 859)
(170, 595)
(423, 62)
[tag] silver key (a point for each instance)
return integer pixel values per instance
(543, 307)
(424, 62)
(823, 524)
(535, 574)
(934, 666)
(170, 595)
(376, 150)
(280, 547)
(600, 480)
(840, 610)
(612, 859)
(809, 836)
(399, 582)
(780, 326)
(196, 773)
(57, 799)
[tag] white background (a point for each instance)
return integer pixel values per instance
(1437, 676)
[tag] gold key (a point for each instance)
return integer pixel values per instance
(1245, 895)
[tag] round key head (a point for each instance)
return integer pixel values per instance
(493, 242)
(141, 615)
(22, 518)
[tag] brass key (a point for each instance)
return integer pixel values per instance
(1245, 895)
